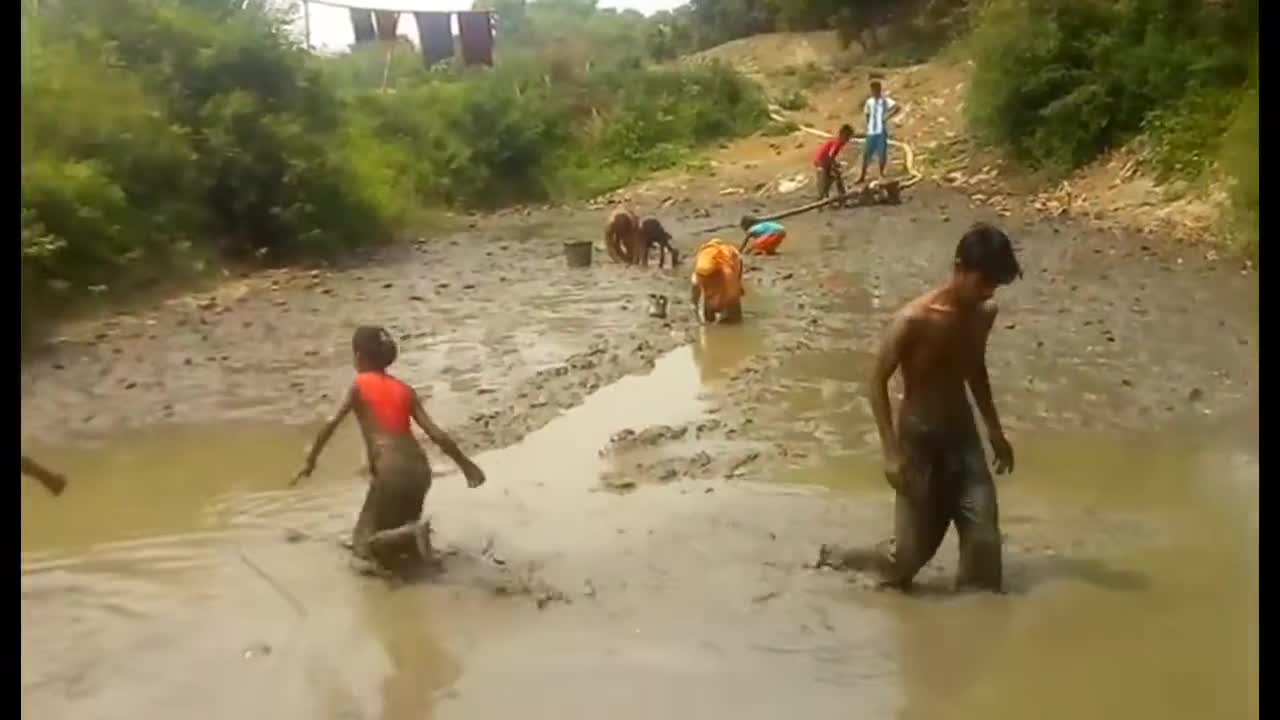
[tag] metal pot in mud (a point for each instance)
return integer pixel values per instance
(657, 305)
(578, 254)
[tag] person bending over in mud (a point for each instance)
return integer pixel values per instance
(827, 164)
(768, 235)
(622, 236)
(629, 240)
(717, 283)
(389, 528)
(934, 458)
(52, 481)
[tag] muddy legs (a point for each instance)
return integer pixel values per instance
(977, 523)
(393, 547)
(919, 527)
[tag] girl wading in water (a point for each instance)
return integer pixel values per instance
(390, 528)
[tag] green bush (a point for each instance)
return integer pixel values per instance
(1060, 81)
(1241, 160)
(541, 128)
(105, 175)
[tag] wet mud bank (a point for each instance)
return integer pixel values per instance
(503, 336)
(658, 491)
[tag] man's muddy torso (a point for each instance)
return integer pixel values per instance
(945, 348)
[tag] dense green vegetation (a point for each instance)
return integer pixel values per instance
(163, 137)
(1060, 81)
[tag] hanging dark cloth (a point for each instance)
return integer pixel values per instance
(435, 36)
(387, 21)
(362, 24)
(476, 31)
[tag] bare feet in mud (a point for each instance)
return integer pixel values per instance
(422, 540)
(405, 567)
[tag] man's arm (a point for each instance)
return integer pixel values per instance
(893, 343)
(473, 474)
(980, 384)
(52, 481)
(326, 432)
(891, 108)
(695, 295)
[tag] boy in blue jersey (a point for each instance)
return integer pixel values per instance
(878, 110)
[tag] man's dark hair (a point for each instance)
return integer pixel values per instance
(875, 85)
(374, 345)
(986, 250)
(846, 129)
(653, 231)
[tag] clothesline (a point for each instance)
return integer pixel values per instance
(405, 6)
(475, 30)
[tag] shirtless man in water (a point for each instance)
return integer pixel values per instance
(934, 458)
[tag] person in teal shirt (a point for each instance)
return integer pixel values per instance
(768, 235)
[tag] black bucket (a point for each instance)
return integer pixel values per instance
(578, 254)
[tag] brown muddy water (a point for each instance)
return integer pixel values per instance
(657, 497)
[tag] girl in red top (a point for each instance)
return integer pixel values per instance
(390, 525)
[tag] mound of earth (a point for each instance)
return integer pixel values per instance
(813, 70)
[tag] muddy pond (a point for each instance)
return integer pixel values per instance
(657, 492)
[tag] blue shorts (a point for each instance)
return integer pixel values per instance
(876, 146)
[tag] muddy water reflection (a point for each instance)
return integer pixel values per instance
(141, 596)
(1133, 586)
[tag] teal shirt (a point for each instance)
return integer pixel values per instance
(765, 228)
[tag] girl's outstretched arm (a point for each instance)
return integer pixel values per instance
(322, 439)
(53, 482)
(473, 474)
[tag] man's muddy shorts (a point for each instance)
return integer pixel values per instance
(828, 176)
(946, 480)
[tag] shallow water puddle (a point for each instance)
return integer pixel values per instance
(1131, 565)
(155, 559)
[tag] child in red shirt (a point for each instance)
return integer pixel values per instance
(828, 167)
(388, 528)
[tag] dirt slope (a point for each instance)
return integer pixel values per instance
(1111, 193)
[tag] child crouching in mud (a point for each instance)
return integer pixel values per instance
(390, 525)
